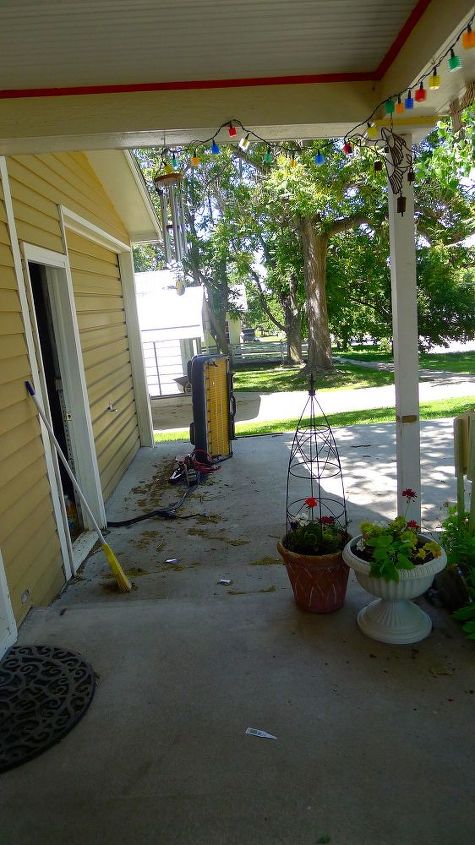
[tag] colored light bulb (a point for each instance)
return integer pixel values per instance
(389, 106)
(409, 101)
(268, 157)
(468, 38)
(214, 148)
(174, 160)
(372, 132)
(347, 148)
(455, 62)
(399, 106)
(293, 162)
(232, 131)
(245, 143)
(168, 168)
(319, 158)
(434, 80)
(195, 159)
(420, 94)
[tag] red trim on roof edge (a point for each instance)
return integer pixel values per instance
(402, 37)
(187, 85)
(206, 84)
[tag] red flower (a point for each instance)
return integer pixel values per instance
(413, 524)
(327, 520)
(311, 502)
(409, 494)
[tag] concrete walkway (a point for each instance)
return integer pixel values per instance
(374, 743)
(176, 412)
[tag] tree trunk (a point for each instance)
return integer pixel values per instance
(314, 250)
(293, 325)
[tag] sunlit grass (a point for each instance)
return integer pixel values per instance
(270, 378)
(452, 362)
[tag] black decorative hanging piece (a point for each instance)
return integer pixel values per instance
(315, 490)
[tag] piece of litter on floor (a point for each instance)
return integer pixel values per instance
(172, 560)
(225, 581)
(263, 734)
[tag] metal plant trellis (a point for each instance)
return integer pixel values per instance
(314, 459)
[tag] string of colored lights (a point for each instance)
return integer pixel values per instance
(362, 133)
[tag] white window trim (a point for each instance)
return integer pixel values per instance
(60, 286)
(6, 610)
(51, 463)
(74, 222)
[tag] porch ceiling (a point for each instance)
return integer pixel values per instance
(102, 74)
(106, 42)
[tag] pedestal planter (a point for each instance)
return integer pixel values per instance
(393, 618)
(318, 581)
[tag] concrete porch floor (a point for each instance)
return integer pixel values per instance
(374, 742)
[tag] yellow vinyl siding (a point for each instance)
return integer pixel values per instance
(104, 342)
(39, 183)
(28, 537)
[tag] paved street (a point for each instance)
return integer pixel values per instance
(175, 413)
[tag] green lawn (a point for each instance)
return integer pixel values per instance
(428, 411)
(453, 362)
(270, 378)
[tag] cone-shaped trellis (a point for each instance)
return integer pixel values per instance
(314, 478)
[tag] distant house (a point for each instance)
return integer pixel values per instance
(174, 326)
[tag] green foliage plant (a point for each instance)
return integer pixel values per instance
(395, 545)
(323, 536)
(459, 543)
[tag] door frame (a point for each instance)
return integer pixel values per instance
(6, 612)
(60, 290)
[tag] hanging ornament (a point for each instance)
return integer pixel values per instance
(421, 94)
(454, 62)
(195, 159)
(293, 161)
(372, 132)
(347, 148)
(434, 80)
(319, 158)
(268, 157)
(389, 106)
(468, 38)
(399, 105)
(174, 161)
(244, 143)
(411, 175)
(378, 165)
(214, 148)
(409, 101)
(232, 131)
(401, 205)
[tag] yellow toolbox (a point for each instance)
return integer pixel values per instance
(214, 405)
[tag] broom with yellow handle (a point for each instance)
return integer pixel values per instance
(123, 582)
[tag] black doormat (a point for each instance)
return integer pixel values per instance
(44, 692)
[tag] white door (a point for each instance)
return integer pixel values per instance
(8, 629)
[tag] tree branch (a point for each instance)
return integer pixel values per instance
(262, 297)
(347, 223)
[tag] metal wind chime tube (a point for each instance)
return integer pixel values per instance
(314, 462)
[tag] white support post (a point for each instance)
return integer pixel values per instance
(406, 356)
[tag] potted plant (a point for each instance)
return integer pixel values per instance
(312, 553)
(397, 563)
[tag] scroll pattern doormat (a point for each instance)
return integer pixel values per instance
(44, 692)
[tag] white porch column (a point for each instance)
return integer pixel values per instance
(405, 339)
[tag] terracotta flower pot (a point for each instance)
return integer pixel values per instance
(318, 581)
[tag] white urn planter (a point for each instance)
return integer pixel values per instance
(393, 618)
